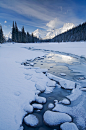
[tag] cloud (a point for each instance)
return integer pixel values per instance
(5, 21)
(54, 23)
(28, 9)
(39, 13)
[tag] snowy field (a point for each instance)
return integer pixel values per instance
(20, 85)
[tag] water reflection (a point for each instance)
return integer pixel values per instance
(56, 64)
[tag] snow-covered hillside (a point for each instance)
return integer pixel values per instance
(53, 32)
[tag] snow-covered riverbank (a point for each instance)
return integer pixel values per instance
(19, 84)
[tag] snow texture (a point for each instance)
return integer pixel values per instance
(37, 106)
(64, 83)
(68, 126)
(32, 64)
(41, 70)
(31, 120)
(75, 94)
(78, 111)
(51, 83)
(83, 89)
(40, 99)
(65, 101)
(62, 74)
(55, 118)
(50, 105)
(40, 87)
(28, 108)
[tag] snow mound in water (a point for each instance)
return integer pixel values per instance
(31, 120)
(67, 84)
(55, 118)
(50, 105)
(65, 101)
(68, 126)
(40, 99)
(37, 106)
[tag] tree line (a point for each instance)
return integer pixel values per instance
(2, 38)
(77, 33)
(22, 36)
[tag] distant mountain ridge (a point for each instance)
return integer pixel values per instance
(53, 32)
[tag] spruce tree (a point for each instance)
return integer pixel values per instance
(1, 35)
(16, 32)
(13, 33)
(32, 38)
(23, 35)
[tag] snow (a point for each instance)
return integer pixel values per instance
(18, 82)
(51, 83)
(65, 101)
(40, 99)
(62, 74)
(83, 89)
(76, 93)
(31, 120)
(74, 48)
(64, 83)
(77, 111)
(41, 70)
(55, 118)
(28, 108)
(40, 87)
(37, 106)
(68, 126)
(52, 32)
(49, 89)
(32, 64)
(15, 89)
(50, 105)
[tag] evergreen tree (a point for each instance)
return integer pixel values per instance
(16, 32)
(1, 35)
(32, 38)
(13, 33)
(23, 35)
(28, 37)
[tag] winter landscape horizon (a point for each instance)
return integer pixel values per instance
(42, 65)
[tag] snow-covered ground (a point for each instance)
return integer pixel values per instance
(19, 85)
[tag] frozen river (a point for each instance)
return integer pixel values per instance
(63, 66)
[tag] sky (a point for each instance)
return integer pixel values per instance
(41, 14)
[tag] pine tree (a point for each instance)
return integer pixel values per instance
(16, 32)
(28, 37)
(1, 35)
(23, 35)
(32, 38)
(13, 33)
